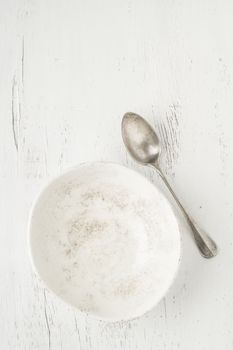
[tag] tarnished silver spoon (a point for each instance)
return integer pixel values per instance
(144, 146)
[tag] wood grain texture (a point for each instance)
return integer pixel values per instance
(69, 71)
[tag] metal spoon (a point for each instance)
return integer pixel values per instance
(144, 146)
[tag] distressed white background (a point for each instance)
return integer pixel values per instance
(69, 70)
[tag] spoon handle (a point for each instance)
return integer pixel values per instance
(206, 245)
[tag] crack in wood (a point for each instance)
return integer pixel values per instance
(165, 308)
(22, 62)
(15, 112)
(46, 319)
(77, 330)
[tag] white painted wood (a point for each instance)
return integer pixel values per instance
(69, 70)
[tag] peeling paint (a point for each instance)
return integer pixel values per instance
(169, 134)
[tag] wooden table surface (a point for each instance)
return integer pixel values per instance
(69, 71)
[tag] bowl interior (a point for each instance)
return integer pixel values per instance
(105, 240)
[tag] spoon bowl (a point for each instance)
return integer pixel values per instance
(140, 139)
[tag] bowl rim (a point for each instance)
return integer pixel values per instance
(36, 200)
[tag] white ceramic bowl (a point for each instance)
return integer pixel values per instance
(105, 240)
